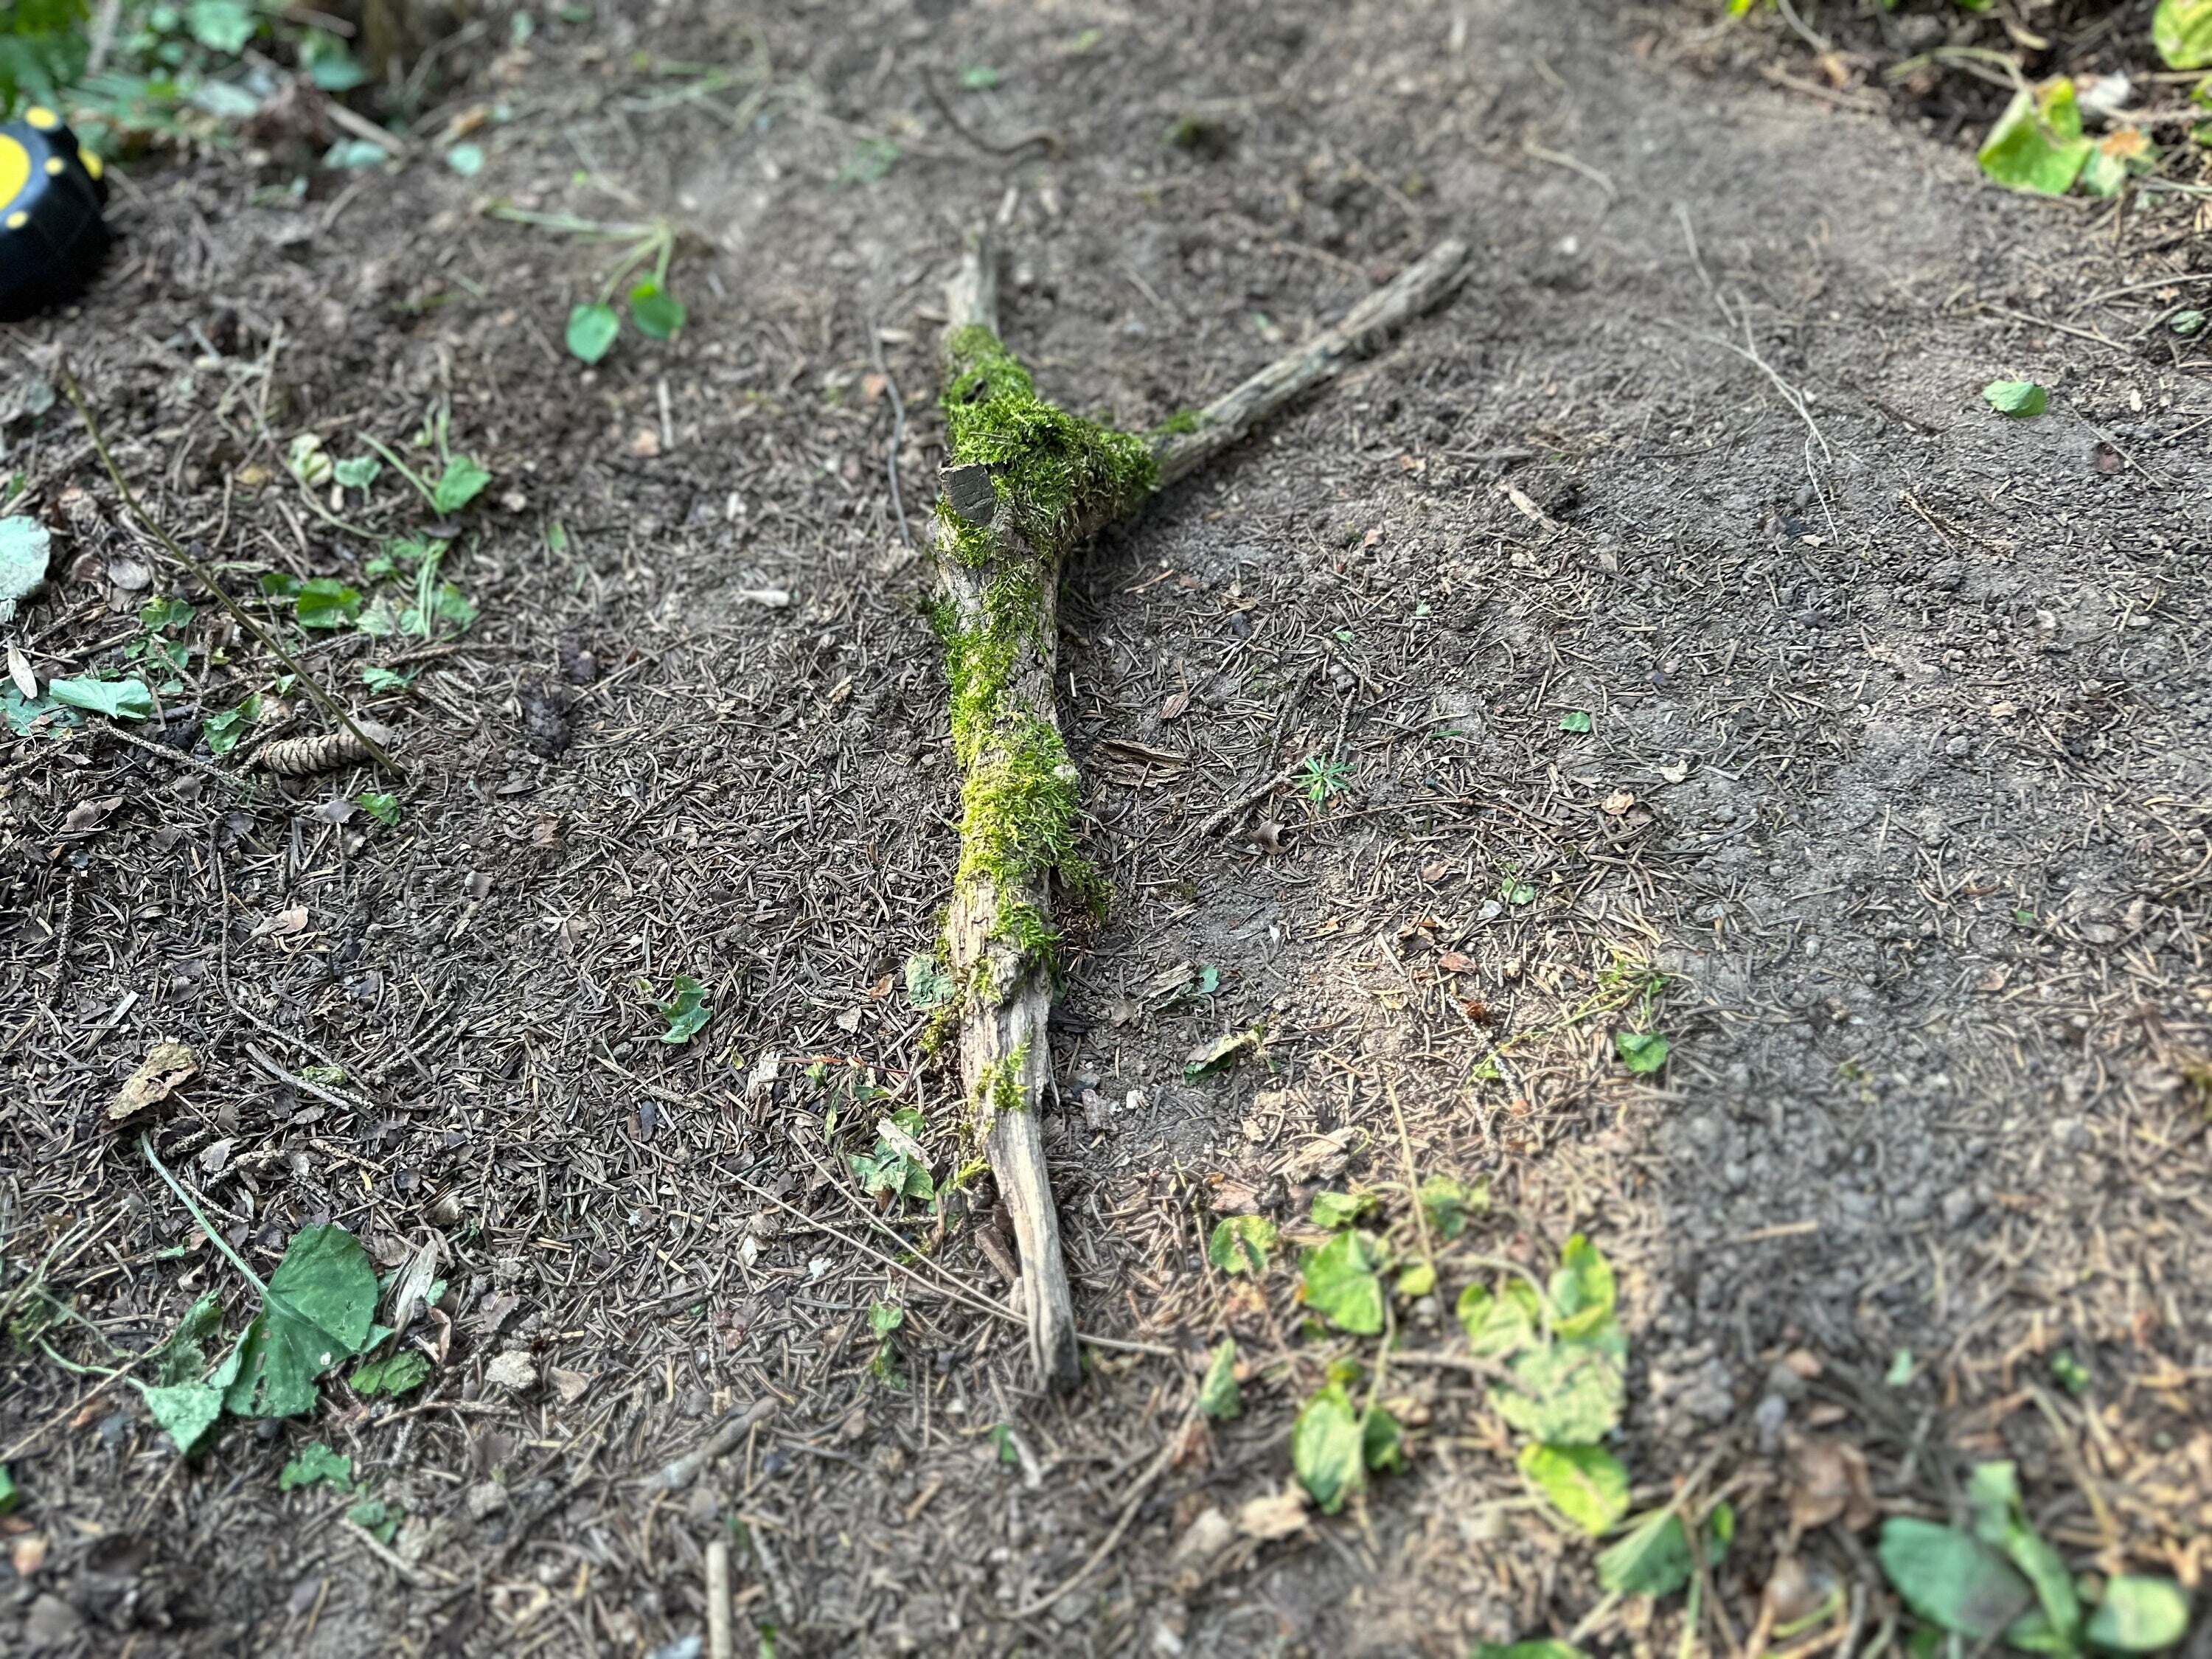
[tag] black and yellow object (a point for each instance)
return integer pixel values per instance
(51, 234)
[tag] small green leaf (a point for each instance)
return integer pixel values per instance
(1448, 1204)
(120, 699)
(1381, 1442)
(2139, 1615)
(394, 1374)
(1338, 1209)
(1218, 1396)
(1654, 1560)
(1240, 1243)
(380, 806)
(1952, 1578)
(1545, 1648)
(358, 473)
(1002, 1437)
(1901, 1369)
(2182, 31)
(1642, 1052)
(1328, 1448)
(1418, 1279)
(186, 1411)
(381, 680)
(221, 25)
(1575, 720)
(11, 1494)
(1583, 1291)
(1565, 1392)
(2073, 1376)
(224, 731)
(884, 1317)
(1497, 1325)
(657, 314)
(928, 985)
(2037, 143)
(2018, 399)
(1340, 1281)
(467, 160)
(461, 483)
(1587, 1484)
(378, 1519)
(316, 1464)
(686, 1011)
(326, 602)
(182, 1356)
(591, 330)
(2121, 155)
(305, 460)
(979, 77)
(159, 616)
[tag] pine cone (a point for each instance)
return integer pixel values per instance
(298, 758)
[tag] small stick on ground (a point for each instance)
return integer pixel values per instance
(721, 1636)
(1026, 486)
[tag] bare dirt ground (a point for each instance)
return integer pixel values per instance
(1890, 814)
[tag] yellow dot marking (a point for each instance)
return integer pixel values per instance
(42, 118)
(15, 168)
(93, 164)
(54, 167)
(17, 221)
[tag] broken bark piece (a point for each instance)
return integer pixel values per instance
(1026, 485)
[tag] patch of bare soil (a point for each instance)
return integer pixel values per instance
(1667, 636)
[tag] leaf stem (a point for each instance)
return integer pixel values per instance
(146, 1146)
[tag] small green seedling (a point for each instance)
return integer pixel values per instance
(654, 312)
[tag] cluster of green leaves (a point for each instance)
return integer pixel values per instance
(2038, 145)
(316, 1465)
(1998, 1578)
(884, 1319)
(42, 50)
(897, 1168)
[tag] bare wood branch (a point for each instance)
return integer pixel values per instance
(1226, 419)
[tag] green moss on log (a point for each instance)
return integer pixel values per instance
(1056, 478)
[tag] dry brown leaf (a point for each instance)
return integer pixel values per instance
(1616, 803)
(1174, 706)
(1452, 962)
(19, 670)
(87, 815)
(167, 1067)
(1279, 1517)
(1828, 1480)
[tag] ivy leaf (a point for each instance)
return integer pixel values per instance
(686, 1011)
(1642, 1052)
(1335, 1210)
(2018, 399)
(317, 1465)
(394, 1374)
(1341, 1283)
(1328, 1448)
(1587, 1484)
(461, 483)
(318, 1309)
(591, 330)
(2037, 143)
(1576, 721)
(657, 314)
(186, 1411)
(1952, 1578)
(1569, 1393)
(1448, 1204)
(120, 699)
(1218, 1396)
(1654, 1560)
(1582, 1292)
(1240, 1244)
(1497, 1325)
(182, 1356)
(358, 473)
(2139, 1615)
(2182, 31)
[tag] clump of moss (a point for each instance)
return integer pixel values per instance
(1056, 477)
(1179, 425)
(1000, 1087)
(1062, 475)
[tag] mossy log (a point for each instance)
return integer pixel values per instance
(1026, 486)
